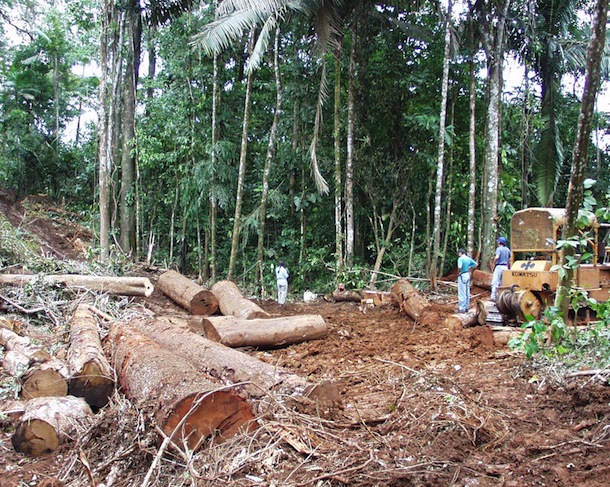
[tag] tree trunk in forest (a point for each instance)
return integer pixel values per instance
(232, 303)
(49, 378)
(381, 245)
(271, 151)
(241, 179)
(127, 237)
(212, 211)
(192, 297)
(413, 304)
(338, 170)
(349, 161)
(264, 333)
(472, 142)
(127, 286)
(188, 407)
(91, 376)
(493, 41)
(48, 422)
(441, 154)
(594, 56)
(230, 365)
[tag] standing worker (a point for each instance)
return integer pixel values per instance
(464, 263)
(281, 275)
(501, 261)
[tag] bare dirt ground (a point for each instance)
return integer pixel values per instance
(420, 406)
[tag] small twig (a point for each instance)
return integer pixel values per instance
(101, 314)
(21, 309)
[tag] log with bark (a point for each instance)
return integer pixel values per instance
(264, 333)
(188, 406)
(414, 304)
(49, 378)
(47, 422)
(233, 303)
(127, 286)
(482, 279)
(91, 376)
(457, 321)
(183, 291)
(350, 296)
(231, 365)
(15, 363)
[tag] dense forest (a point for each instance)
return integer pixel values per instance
(353, 140)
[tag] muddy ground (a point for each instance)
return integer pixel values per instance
(420, 406)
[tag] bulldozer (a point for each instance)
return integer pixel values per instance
(530, 283)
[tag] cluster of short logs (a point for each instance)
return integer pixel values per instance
(182, 369)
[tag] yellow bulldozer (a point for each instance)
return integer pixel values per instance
(530, 283)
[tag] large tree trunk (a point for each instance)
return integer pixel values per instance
(187, 406)
(48, 422)
(271, 151)
(241, 179)
(264, 333)
(579, 156)
(91, 376)
(233, 303)
(127, 286)
(337, 152)
(192, 297)
(349, 160)
(230, 365)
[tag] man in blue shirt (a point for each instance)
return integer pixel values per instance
(464, 264)
(501, 261)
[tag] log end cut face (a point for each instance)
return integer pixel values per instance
(92, 385)
(219, 413)
(35, 438)
(44, 383)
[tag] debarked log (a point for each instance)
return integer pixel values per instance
(47, 422)
(15, 363)
(187, 406)
(231, 365)
(264, 333)
(127, 286)
(91, 375)
(350, 296)
(186, 293)
(457, 321)
(233, 303)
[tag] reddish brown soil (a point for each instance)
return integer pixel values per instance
(420, 406)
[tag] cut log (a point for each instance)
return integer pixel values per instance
(15, 363)
(457, 321)
(11, 341)
(351, 296)
(127, 286)
(231, 365)
(232, 302)
(187, 406)
(488, 313)
(47, 379)
(91, 376)
(409, 299)
(503, 334)
(482, 279)
(183, 291)
(47, 422)
(380, 298)
(264, 333)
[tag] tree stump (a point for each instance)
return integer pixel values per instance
(233, 303)
(264, 333)
(231, 365)
(187, 406)
(48, 422)
(183, 291)
(91, 376)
